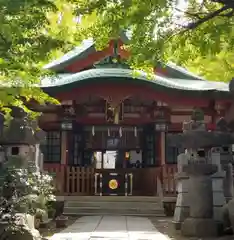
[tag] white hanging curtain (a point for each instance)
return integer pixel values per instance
(135, 131)
(93, 130)
(120, 132)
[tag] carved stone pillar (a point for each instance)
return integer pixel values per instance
(226, 163)
(200, 222)
(217, 185)
(182, 202)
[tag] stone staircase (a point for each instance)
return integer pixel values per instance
(114, 205)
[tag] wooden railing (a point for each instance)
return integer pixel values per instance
(72, 180)
(80, 180)
(168, 179)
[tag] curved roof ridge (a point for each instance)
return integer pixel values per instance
(184, 71)
(113, 73)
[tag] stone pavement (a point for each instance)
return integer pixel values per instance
(110, 228)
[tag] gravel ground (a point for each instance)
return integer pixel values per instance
(51, 229)
(165, 226)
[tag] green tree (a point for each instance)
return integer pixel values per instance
(198, 34)
(32, 32)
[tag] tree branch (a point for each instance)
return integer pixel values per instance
(210, 16)
(188, 13)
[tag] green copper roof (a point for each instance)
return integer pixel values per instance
(63, 80)
(87, 47)
(84, 49)
(176, 71)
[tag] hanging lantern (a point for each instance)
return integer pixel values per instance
(120, 132)
(127, 155)
(93, 130)
(135, 131)
(110, 114)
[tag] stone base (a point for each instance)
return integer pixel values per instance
(199, 227)
(228, 199)
(180, 214)
(220, 228)
(177, 225)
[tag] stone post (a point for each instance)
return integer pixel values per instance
(200, 222)
(226, 163)
(182, 204)
(217, 185)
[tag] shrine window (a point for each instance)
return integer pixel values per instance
(52, 147)
(172, 152)
(75, 149)
(150, 146)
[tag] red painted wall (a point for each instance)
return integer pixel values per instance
(119, 92)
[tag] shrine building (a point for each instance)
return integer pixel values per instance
(113, 122)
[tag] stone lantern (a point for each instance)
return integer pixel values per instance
(21, 142)
(200, 179)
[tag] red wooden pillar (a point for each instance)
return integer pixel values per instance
(64, 146)
(68, 149)
(162, 148)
